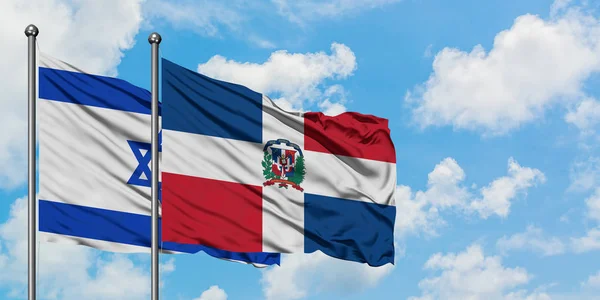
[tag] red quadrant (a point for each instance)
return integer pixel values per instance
(349, 134)
(218, 214)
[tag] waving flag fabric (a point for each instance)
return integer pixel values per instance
(241, 174)
(94, 166)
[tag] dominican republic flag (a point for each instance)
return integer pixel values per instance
(241, 174)
(94, 155)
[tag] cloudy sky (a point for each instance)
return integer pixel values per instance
(493, 108)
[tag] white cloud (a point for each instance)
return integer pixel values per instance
(593, 282)
(532, 239)
(428, 51)
(472, 275)
(331, 109)
(261, 42)
(213, 293)
(168, 266)
(420, 212)
(496, 196)
(89, 276)
(559, 6)
(335, 98)
(213, 18)
(202, 16)
(566, 217)
(585, 174)
(296, 78)
(415, 214)
(585, 116)
(117, 278)
(300, 274)
(589, 242)
(524, 295)
(443, 183)
(303, 11)
(593, 206)
(210, 18)
(71, 30)
(498, 91)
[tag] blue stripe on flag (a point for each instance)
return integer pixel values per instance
(349, 230)
(93, 90)
(198, 104)
(124, 228)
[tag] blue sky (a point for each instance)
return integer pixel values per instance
(493, 112)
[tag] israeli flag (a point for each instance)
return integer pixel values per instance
(94, 171)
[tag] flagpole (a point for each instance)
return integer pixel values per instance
(31, 32)
(154, 39)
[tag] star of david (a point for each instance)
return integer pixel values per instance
(143, 154)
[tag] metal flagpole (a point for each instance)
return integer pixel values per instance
(31, 32)
(154, 39)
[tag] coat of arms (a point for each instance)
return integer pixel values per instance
(283, 164)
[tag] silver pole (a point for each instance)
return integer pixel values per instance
(154, 40)
(31, 32)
